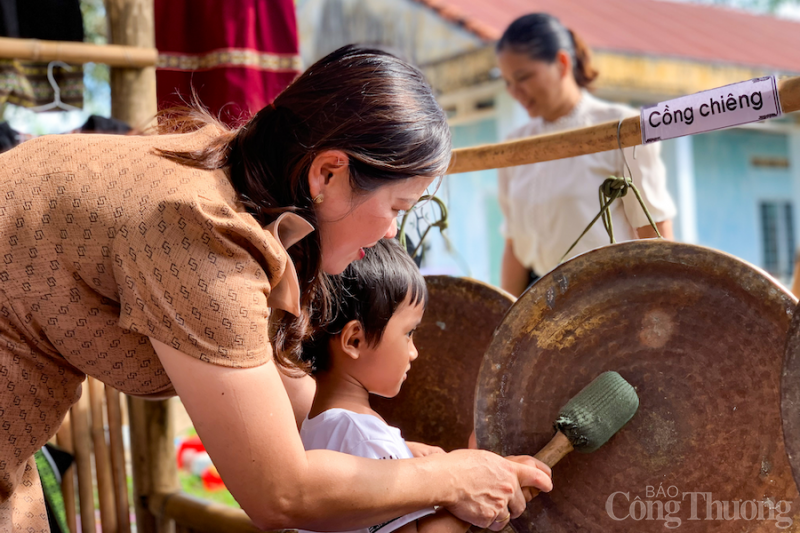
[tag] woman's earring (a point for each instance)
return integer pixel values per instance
(318, 199)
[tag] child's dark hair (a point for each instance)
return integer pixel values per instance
(370, 291)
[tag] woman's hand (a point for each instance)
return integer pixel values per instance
(524, 459)
(490, 487)
(418, 449)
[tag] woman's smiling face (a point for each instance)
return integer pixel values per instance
(349, 221)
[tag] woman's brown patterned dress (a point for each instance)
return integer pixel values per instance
(104, 243)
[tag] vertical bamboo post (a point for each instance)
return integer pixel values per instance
(82, 441)
(64, 440)
(154, 465)
(141, 465)
(102, 458)
(118, 471)
(133, 99)
(133, 90)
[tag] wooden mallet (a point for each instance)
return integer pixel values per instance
(590, 418)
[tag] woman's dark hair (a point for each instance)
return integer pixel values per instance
(370, 291)
(373, 106)
(541, 36)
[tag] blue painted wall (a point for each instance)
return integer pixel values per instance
(730, 188)
(474, 232)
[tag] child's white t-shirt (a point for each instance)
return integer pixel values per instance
(364, 436)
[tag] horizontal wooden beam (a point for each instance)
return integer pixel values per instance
(200, 515)
(77, 53)
(572, 143)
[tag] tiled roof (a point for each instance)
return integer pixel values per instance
(649, 27)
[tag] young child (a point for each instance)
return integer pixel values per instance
(368, 349)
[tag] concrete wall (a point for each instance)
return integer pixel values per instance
(730, 187)
(475, 243)
(407, 28)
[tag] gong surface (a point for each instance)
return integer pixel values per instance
(436, 402)
(790, 397)
(700, 335)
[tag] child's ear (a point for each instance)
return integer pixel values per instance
(352, 339)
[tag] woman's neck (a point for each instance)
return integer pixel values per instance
(572, 95)
(340, 391)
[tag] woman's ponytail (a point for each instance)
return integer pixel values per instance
(583, 70)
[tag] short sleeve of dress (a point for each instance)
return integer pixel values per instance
(503, 178)
(650, 176)
(648, 173)
(196, 275)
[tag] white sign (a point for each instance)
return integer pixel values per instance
(731, 105)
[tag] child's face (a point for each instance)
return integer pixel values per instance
(384, 367)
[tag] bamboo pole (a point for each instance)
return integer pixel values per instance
(102, 459)
(82, 441)
(77, 53)
(572, 143)
(142, 470)
(133, 90)
(202, 516)
(154, 464)
(64, 440)
(118, 471)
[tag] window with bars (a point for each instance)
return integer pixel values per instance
(777, 238)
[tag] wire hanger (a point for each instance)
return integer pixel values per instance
(612, 188)
(56, 103)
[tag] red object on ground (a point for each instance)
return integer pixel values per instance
(211, 479)
(190, 443)
(236, 55)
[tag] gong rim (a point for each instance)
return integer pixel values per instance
(556, 297)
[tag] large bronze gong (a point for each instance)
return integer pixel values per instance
(435, 404)
(701, 335)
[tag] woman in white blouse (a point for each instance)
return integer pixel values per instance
(547, 205)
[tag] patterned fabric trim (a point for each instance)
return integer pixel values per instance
(15, 88)
(230, 57)
(25, 83)
(69, 82)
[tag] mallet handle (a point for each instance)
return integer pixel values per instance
(553, 452)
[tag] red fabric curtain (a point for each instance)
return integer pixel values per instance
(236, 55)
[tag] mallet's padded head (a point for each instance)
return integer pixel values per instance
(597, 412)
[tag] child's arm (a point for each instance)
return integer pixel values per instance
(441, 522)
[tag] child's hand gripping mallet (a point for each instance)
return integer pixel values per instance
(590, 418)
